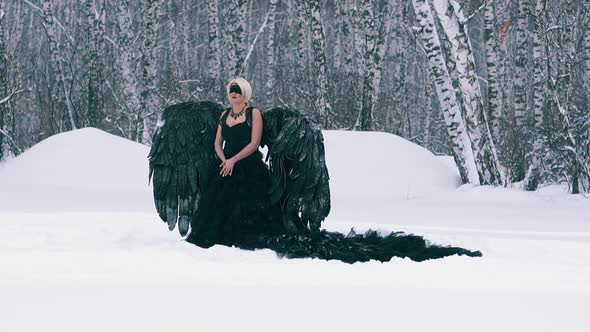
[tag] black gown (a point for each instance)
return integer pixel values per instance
(236, 211)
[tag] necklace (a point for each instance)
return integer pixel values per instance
(235, 116)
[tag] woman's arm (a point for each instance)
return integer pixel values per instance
(219, 141)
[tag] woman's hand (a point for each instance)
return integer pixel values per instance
(227, 166)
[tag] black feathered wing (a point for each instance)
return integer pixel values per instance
(180, 158)
(299, 175)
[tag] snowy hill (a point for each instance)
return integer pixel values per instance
(80, 170)
(381, 168)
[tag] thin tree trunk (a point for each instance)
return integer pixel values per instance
(586, 49)
(60, 94)
(95, 26)
(126, 57)
(148, 65)
(236, 16)
(318, 44)
(3, 84)
(302, 40)
(347, 37)
(373, 62)
(532, 177)
(270, 53)
(520, 63)
(492, 61)
(213, 55)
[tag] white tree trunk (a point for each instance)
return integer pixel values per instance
(95, 25)
(126, 61)
(318, 43)
(492, 61)
(347, 37)
(453, 23)
(213, 56)
(586, 48)
(358, 43)
(4, 147)
(520, 65)
(460, 144)
(270, 53)
(375, 51)
(149, 101)
(532, 177)
(235, 41)
(302, 37)
(61, 93)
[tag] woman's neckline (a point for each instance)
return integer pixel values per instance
(230, 111)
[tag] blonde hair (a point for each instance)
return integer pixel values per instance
(244, 86)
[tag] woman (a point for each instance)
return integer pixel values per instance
(235, 209)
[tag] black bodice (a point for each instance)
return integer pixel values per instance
(239, 135)
(236, 137)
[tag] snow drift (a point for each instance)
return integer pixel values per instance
(80, 170)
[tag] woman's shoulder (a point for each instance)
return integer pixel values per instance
(225, 111)
(224, 115)
(255, 110)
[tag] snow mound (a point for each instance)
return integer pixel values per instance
(80, 170)
(91, 170)
(374, 168)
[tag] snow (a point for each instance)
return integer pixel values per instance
(81, 248)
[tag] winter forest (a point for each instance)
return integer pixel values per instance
(503, 86)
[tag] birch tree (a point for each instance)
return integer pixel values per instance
(318, 43)
(3, 85)
(59, 92)
(399, 72)
(302, 36)
(126, 62)
(173, 49)
(532, 177)
(346, 37)
(149, 101)
(586, 47)
(375, 50)
(520, 65)
(235, 41)
(213, 55)
(95, 32)
(460, 144)
(492, 61)
(270, 53)
(453, 22)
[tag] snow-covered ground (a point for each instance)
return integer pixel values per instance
(81, 249)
